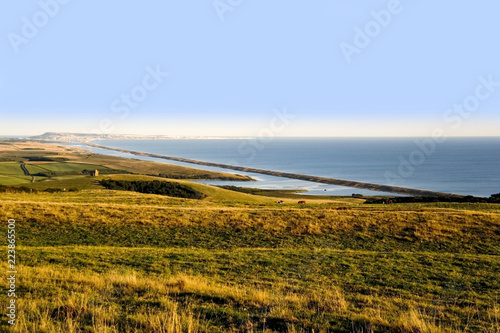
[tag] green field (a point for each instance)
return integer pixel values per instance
(59, 168)
(274, 289)
(127, 262)
(11, 174)
(98, 260)
(14, 180)
(11, 169)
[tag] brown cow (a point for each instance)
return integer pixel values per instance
(302, 202)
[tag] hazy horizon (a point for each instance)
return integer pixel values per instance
(250, 136)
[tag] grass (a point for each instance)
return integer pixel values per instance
(292, 194)
(114, 261)
(185, 222)
(129, 289)
(153, 168)
(78, 182)
(14, 180)
(11, 169)
(35, 168)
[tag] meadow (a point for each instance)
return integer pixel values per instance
(49, 161)
(98, 260)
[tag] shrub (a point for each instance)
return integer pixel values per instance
(153, 187)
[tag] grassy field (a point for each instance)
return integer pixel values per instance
(11, 169)
(61, 168)
(155, 168)
(14, 180)
(56, 161)
(98, 260)
(111, 261)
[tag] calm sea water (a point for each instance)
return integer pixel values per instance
(458, 165)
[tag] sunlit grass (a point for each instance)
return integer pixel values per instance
(113, 261)
(125, 290)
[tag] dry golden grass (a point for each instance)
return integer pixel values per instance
(240, 263)
(66, 300)
(76, 301)
(32, 145)
(414, 321)
(61, 299)
(110, 207)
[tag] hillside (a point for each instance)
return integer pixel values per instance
(99, 260)
(237, 262)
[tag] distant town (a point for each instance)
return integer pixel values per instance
(87, 137)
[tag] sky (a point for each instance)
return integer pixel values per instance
(250, 68)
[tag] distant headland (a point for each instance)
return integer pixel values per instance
(87, 137)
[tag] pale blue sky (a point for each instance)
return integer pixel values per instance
(227, 76)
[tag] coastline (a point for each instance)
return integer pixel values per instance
(323, 180)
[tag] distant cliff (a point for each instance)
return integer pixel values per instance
(87, 137)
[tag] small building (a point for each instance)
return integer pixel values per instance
(94, 173)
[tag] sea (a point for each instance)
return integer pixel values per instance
(467, 166)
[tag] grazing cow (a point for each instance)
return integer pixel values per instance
(280, 202)
(301, 202)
